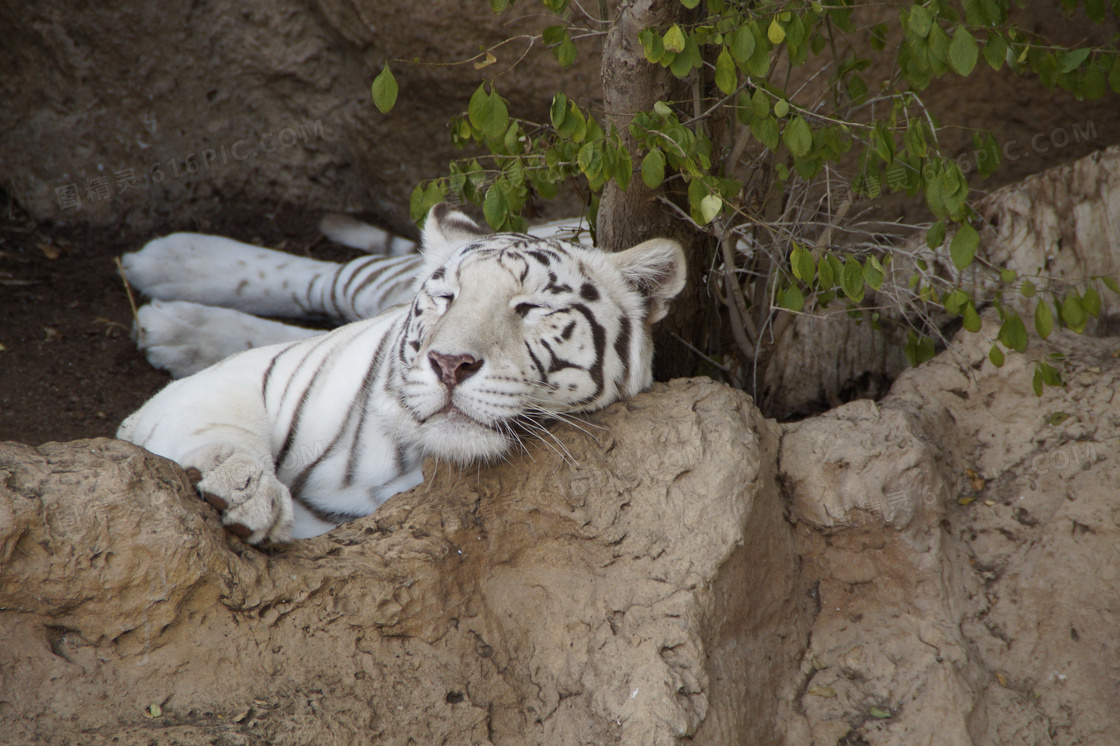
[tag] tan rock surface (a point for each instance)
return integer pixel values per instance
(935, 568)
(559, 598)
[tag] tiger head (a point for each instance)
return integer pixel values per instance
(508, 330)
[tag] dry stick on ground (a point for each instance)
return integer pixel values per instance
(127, 289)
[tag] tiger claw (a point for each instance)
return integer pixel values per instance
(216, 502)
(240, 530)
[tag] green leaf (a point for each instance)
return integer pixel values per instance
(653, 168)
(1008, 276)
(590, 159)
(915, 140)
(851, 279)
(727, 74)
(1093, 84)
(1073, 59)
(674, 40)
(1114, 76)
(920, 21)
(964, 245)
(825, 274)
(792, 299)
(996, 355)
(565, 53)
(776, 34)
(995, 51)
(652, 46)
(741, 44)
(710, 207)
(1043, 319)
(687, 60)
(385, 90)
(1091, 302)
(1073, 313)
(955, 301)
(802, 264)
(873, 273)
(1057, 418)
(559, 110)
(781, 108)
(624, 169)
(760, 104)
(1037, 381)
(963, 51)
(1013, 333)
(798, 137)
(555, 34)
(1111, 284)
(1051, 377)
(575, 125)
(919, 348)
(879, 36)
(744, 108)
(766, 130)
(488, 113)
(970, 318)
(494, 207)
(935, 236)
(759, 63)
(1027, 289)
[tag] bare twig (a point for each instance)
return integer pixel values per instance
(127, 288)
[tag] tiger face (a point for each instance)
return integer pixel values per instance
(511, 330)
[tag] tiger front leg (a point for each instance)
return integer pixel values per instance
(254, 504)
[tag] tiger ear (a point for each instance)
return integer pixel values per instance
(445, 230)
(656, 269)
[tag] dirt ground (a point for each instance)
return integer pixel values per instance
(68, 366)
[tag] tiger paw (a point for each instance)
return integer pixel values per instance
(254, 504)
(183, 338)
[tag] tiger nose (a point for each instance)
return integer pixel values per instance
(453, 369)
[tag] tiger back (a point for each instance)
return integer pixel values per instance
(505, 332)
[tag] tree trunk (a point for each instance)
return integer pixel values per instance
(631, 84)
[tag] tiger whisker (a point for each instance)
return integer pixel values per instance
(540, 431)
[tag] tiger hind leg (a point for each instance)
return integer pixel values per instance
(218, 271)
(183, 338)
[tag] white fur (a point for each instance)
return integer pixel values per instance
(217, 271)
(354, 233)
(183, 338)
(342, 421)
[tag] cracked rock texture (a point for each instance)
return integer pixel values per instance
(939, 567)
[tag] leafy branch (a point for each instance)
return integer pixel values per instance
(772, 153)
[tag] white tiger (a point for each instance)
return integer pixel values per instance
(506, 330)
(207, 290)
